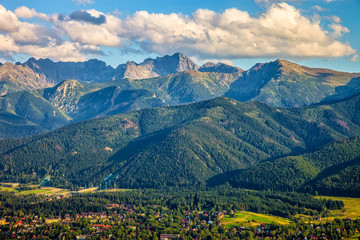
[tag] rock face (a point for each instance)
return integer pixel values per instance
(95, 71)
(155, 67)
(15, 78)
(55, 72)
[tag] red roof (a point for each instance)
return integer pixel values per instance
(99, 225)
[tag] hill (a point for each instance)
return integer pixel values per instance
(27, 114)
(183, 145)
(332, 169)
(285, 84)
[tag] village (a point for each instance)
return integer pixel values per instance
(128, 221)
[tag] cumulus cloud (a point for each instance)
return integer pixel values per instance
(281, 31)
(37, 40)
(65, 52)
(7, 44)
(25, 12)
(86, 32)
(8, 21)
(34, 34)
(85, 16)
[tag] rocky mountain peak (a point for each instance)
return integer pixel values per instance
(159, 66)
(220, 68)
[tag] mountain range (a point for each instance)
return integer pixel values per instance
(169, 122)
(183, 145)
(164, 81)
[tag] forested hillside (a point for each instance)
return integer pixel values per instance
(331, 170)
(182, 145)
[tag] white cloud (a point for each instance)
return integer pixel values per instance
(281, 31)
(64, 52)
(29, 33)
(83, 2)
(270, 2)
(8, 21)
(338, 30)
(25, 12)
(106, 34)
(7, 44)
(336, 19)
(320, 9)
(355, 58)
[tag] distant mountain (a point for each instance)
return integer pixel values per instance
(182, 145)
(285, 84)
(183, 87)
(55, 72)
(94, 71)
(15, 78)
(80, 101)
(155, 67)
(219, 68)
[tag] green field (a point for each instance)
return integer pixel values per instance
(355, 237)
(34, 189)
(246, 219)
(9, 189)
(351, 208)
(46, 191)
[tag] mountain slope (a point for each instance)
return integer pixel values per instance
(184, 145)
(285, 84)
(80, 101)
(112, 100)
(34, 110)
(186, 87)
(332, 169)
(15, 78)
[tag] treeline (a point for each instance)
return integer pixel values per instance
(215, 199)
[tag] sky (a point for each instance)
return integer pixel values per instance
(315, 33)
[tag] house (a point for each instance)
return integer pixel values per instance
(169, 236)
(81, 237)
(2, 221)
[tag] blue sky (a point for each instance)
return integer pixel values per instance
(322, 33)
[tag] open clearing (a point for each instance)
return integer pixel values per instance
(246, 219)
(46, 191)
(351, 208)
(34, 189)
